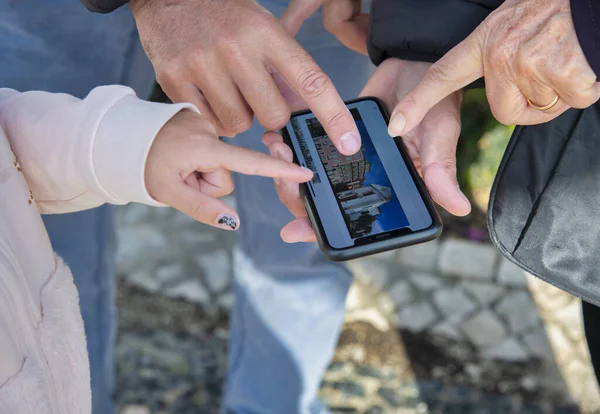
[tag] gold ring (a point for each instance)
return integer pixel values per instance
(545, 107)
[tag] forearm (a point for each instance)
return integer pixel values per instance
(78, 154)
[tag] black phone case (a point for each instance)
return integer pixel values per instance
(354, 252)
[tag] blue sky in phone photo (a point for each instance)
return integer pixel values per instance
(392, 215)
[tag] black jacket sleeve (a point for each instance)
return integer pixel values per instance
(423, 30)
(586, 18)
(103, 6)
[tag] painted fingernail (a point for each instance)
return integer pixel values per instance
(228, 222)
(397, 124)
(350, 142)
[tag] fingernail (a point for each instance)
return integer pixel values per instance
(464, 197)
(308, 170)
(396, 125)
(228, 222)
(276, 181)
(350, 142)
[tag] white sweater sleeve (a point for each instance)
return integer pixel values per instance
(80, 153)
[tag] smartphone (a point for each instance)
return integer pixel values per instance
(366, 203)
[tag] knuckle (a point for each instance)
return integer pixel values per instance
(275, 121)
(267, 23)
(335, 119)
(313, 82)
(231, 49)
(500, 54)
(578, 99)
(503, 116)
(228, 187)
(170, 74)
(235, 121)
(198, 212)
(440, 73)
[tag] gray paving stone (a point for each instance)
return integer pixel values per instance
(417, 317)
(537, 342)
(194, 237)
(385, 256)
(135, 409)
(467, 259)
(216, 267)
(133, 213)
(425, 281)
(509, 274)
(169, 272)
(421, 256)
(144, 279)
(484, 329)
(140, 244)
(401, 293)
(191, 290)
(508, 350)
(484, 293)
(226, 300)
(447, 330)
(371, 273)
(453, 303)
(519, 311)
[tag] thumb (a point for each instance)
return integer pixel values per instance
(458, 68)
(297, 12)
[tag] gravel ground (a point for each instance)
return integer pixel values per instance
(172, 359)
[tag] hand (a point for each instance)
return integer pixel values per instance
(221, 55)
(527, 49)
(188, 168)
(432, 146)
(341, 18)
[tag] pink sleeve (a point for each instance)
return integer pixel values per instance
(80, 153)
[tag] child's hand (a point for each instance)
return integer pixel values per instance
(188, 168)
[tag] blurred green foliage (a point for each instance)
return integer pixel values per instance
(480, 148)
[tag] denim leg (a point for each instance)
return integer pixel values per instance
(86, 242)
(289, 299)
(59, 46)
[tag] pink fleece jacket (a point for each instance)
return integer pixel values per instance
(59, 154)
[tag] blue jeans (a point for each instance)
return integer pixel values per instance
(59, 46)
(289, 299)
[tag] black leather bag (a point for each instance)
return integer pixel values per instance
(544, 209)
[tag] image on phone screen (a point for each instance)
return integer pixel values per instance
(364, 195)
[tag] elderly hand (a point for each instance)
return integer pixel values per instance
(432, 146)
(533, 65)
(341, 18)
(220, 56)
(188, 168)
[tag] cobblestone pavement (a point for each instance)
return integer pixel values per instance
(444, 327)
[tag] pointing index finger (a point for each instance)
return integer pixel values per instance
(249, 162)
(315, 88)
(458, 68)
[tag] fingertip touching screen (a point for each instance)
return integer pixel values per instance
(363, 196)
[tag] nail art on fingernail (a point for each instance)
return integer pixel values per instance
(228, 221)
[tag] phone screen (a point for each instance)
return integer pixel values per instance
(364, 196)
